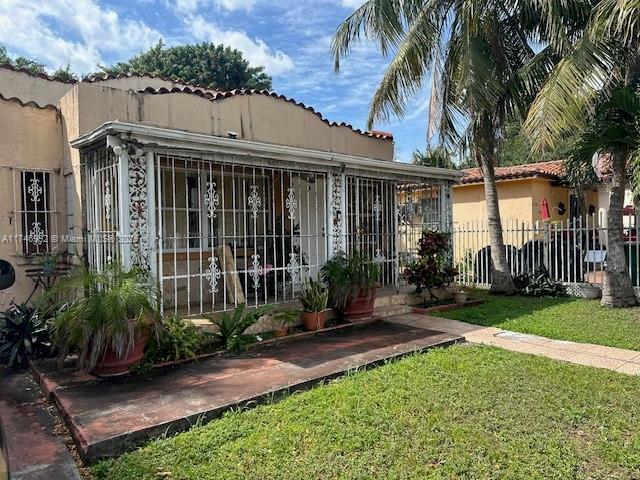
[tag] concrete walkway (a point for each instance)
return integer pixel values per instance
(611, 358)
(109, 416)
(36, 448)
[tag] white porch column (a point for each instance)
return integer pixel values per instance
(336, 214)
(136, 206)
(446, 211)
(153, 237)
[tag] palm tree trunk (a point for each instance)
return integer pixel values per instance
(501, 279)
(617, 290)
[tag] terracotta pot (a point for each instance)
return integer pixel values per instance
(314, 320)
(460, 297)
(360, 307)
(281, 332)
(111, 365)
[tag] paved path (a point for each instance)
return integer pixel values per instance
(36, 450)
(617, 359)
(109, 416)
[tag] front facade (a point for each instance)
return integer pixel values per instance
(226, 197)
(522, 192)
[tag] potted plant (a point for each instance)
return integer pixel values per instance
(282, 321)
(314, 298)
(107, 318)
(432, 268)
(460, 296)
(49, 263)
(353, 283)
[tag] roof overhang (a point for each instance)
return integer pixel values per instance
(258, 152)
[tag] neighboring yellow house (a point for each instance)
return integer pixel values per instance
(521, 191)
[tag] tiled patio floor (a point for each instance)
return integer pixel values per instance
(617, 359)
(109, 416)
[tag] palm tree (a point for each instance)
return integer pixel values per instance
(484, 74)
(433, 157)
(594, 88)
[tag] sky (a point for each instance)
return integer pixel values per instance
(290, 38)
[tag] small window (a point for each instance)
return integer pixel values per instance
(36, 211)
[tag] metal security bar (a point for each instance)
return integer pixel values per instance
(371, 223)
(219, 230)
(572, 251)
(35, 207)
(102, 199)
(420, 207)
(233, 233)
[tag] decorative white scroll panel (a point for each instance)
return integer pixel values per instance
(138, 210)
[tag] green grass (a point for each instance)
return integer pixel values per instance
(578, 320)
(466, 412)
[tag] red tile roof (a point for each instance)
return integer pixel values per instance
(214, 96)
(553, 170)
(44, 76)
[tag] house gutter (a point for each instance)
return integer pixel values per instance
(182, 140)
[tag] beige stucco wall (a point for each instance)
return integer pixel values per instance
(515, 199)
(28, 88)
(31, 139)
(253, 117)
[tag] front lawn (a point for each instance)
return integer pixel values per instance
(462, 412)
(574, 319)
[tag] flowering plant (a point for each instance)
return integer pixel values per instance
(433, 266)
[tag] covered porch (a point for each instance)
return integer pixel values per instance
(221, 221)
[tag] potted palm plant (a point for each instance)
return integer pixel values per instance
(107, 318)
(353, 283)
(314, 298)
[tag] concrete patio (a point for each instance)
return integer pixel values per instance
(110, 416)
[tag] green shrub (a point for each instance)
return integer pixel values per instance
(23, 334)
(231, 328)
(179, 339)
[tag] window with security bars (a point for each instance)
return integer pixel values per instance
(35, 213)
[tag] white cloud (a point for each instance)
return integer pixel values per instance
(256, 51)
(352, 3)
(237, 4)
(25, 26)
(191, 6)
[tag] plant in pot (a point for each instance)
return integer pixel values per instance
(49, 263)
(460, 296)
(353, 283)
(432, 269)
(107, 318)
(314, 298)
(283, 319)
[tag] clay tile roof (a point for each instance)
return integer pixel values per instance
(553, 170)
(6, 66)
(27, 104)
(214, 96)
(111, 76)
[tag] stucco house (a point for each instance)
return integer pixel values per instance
(523, 191)
(226, 197)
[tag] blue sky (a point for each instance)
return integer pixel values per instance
(289, 37)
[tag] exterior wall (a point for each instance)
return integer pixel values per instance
(253, 117)
(515, 202)
(29, 88)
(31, 139)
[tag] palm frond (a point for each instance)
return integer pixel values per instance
(406, 72)
(568, 95)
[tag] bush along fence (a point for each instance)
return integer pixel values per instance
(573, 251)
